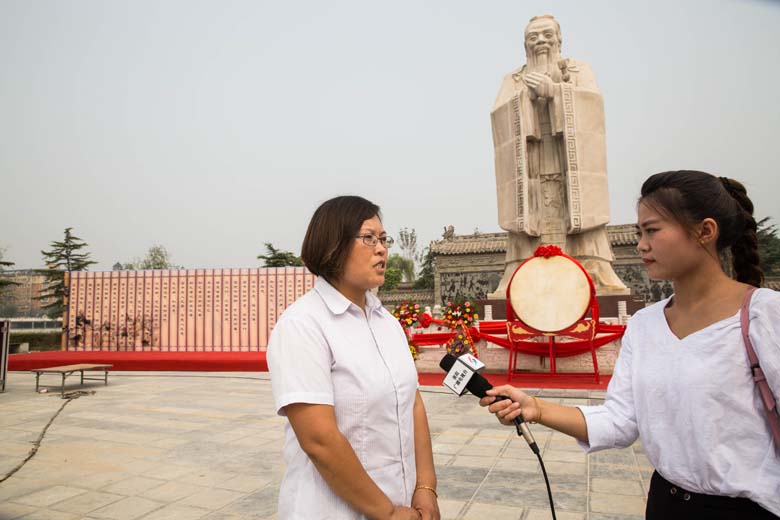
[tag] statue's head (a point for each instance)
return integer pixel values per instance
(543, 39)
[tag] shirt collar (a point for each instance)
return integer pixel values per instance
(337, 302)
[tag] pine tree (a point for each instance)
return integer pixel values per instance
(769, 247)
(64, 257)
(276, 258)
(3, 264)
(425, 276)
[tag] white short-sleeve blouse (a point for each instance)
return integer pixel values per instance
(694, 404)
(326, 350)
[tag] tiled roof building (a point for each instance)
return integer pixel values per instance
(471, 266)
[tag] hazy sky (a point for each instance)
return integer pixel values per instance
(212, 127)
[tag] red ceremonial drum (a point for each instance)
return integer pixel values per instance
(550, 294)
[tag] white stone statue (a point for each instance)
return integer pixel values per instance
(551, 164)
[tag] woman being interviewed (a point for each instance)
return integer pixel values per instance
(683, 382)
(357, 442)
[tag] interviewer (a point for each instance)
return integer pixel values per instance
(683, 383)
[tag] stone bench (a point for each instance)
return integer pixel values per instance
(67, 370)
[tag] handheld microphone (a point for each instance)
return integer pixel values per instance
(479, 386)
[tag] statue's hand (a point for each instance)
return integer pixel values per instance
(540, 84)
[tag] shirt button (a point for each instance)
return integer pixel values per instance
(673, 491)
(686, 496)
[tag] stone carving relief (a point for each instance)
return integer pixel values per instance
(468, 285)
(635, 277)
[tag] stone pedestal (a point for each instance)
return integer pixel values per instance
(498, 308)
(608, 305)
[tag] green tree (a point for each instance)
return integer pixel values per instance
(769, 247)
(156, 258)
(276, 258)
(4, 282)
(404, 265)
(393, 277)
(425, 276)
(64, 257)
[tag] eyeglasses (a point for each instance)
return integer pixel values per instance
(372, 240)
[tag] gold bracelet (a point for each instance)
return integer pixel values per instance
(429, 488)
(539, 406)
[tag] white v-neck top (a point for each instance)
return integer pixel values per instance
(326, 350)
(694, 404)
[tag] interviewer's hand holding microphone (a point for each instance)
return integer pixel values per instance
(519, 404)
(565, 419)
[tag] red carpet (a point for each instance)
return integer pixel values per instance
(256, 362)
(183, 361)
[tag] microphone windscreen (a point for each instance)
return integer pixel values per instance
(478, 385)
(446, 362)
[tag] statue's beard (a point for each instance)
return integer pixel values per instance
(546, 62)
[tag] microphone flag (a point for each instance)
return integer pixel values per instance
(459, 375)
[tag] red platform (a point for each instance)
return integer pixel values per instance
(152, 361)
(256, 362)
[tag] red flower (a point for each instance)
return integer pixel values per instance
(425, 320)
(548, 251)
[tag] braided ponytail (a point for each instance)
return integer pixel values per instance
(744, 248)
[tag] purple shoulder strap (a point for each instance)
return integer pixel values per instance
(758, 375)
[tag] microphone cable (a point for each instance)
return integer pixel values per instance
(538, 453)
(478, 386)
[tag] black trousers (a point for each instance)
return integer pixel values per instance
(669, 502)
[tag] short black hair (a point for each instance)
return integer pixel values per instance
(331, 234)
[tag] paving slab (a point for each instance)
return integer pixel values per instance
(195, 445)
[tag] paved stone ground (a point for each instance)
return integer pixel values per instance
(186, 445)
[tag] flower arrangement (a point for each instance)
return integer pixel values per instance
(407, 313)
(461, 343)
(463, 314)
(459, 317)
